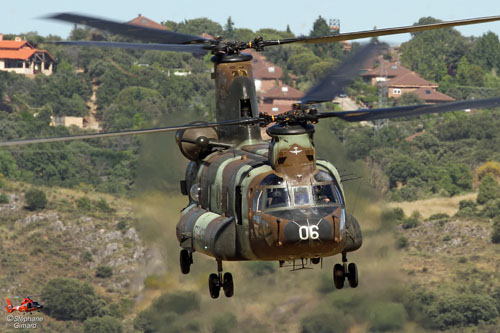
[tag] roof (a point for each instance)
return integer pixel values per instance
(386, 69)
(13, 44)
(410, 79)
(283, 91)
(273, 109)
(432, 95)
(266, 70)
(143, 21)
(207, 36)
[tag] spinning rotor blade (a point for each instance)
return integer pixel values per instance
(192, 48)
(381, 32)
(410, 110)
(338, 78)
(129, 30)
(132, 132)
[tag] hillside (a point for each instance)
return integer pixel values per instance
(136, 238)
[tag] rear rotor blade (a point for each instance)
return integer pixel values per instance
(129, 30)
(411, 110)
(337, 79)
(132, 132)
(381, 32)
(191, 48)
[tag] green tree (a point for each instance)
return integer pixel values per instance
(8, 165)
(409, 99)
(200, 25)
(488, 189)
(331, 321)
(35, 199)
(105, 324)
(486, 51)
(469, 74)
(229, 28)
(69, 299)
(433, 53)
(495, 238)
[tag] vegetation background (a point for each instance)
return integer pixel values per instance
(88, 226)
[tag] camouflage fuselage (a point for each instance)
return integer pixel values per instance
(246, 206)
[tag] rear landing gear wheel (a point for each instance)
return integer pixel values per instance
(185, 259)
(352, 275)
(316, 260)
(228, 285)
(214, 285)
(338, 276)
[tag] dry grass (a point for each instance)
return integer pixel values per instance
(433, 206)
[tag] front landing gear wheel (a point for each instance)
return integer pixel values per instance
(338, 276)
(228, 285)
(352, 275)
(214, 285)
(185, 260)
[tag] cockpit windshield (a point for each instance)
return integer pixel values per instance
(275, 193)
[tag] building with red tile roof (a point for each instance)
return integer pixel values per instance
(143, 21)
(282, 95)
(23, 58)
(432, 96)
(383, 71)
(405, 83)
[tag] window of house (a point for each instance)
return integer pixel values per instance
(396, 91)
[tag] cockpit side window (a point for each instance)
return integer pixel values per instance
(323, 194)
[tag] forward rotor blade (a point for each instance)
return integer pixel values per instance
(132, 132)
(411, 110)
(382, 32)
(337, 79)
(129, 30)
(191, 48)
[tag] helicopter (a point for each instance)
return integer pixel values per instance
(27, 305)
(255, 199)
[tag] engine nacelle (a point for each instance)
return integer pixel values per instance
(194, 142)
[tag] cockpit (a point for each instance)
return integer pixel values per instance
(275, 194)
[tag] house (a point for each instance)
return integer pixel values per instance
(281, 95)
(21, 57)
(383, 71)
(143, 21)
(405, 83)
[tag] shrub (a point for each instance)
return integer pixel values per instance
(495, 235)
(488, 189)
(438, 216)
(410, 223)
(103, 206)
(388, 317)
(122, 225)
(491, 209)
(103, 271)
(447, 238)
(332, 321)
(399, 213)
(84, 204)
(104, 324)
(4, 198)
(87, 256)
(460, 311)
(401, 242)
(68, 299)
(35, 199)
(162, 315)
(224, 323)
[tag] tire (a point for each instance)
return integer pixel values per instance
(352, 275)
(228, 285)
(185, 261)
(338, 276)
(213, 285)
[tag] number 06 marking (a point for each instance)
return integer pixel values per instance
(308, 232)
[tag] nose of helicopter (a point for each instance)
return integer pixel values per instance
(308, 230)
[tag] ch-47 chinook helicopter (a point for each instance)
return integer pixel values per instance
(251, 199)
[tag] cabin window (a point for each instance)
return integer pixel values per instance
(323, 194)
(245, 108)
